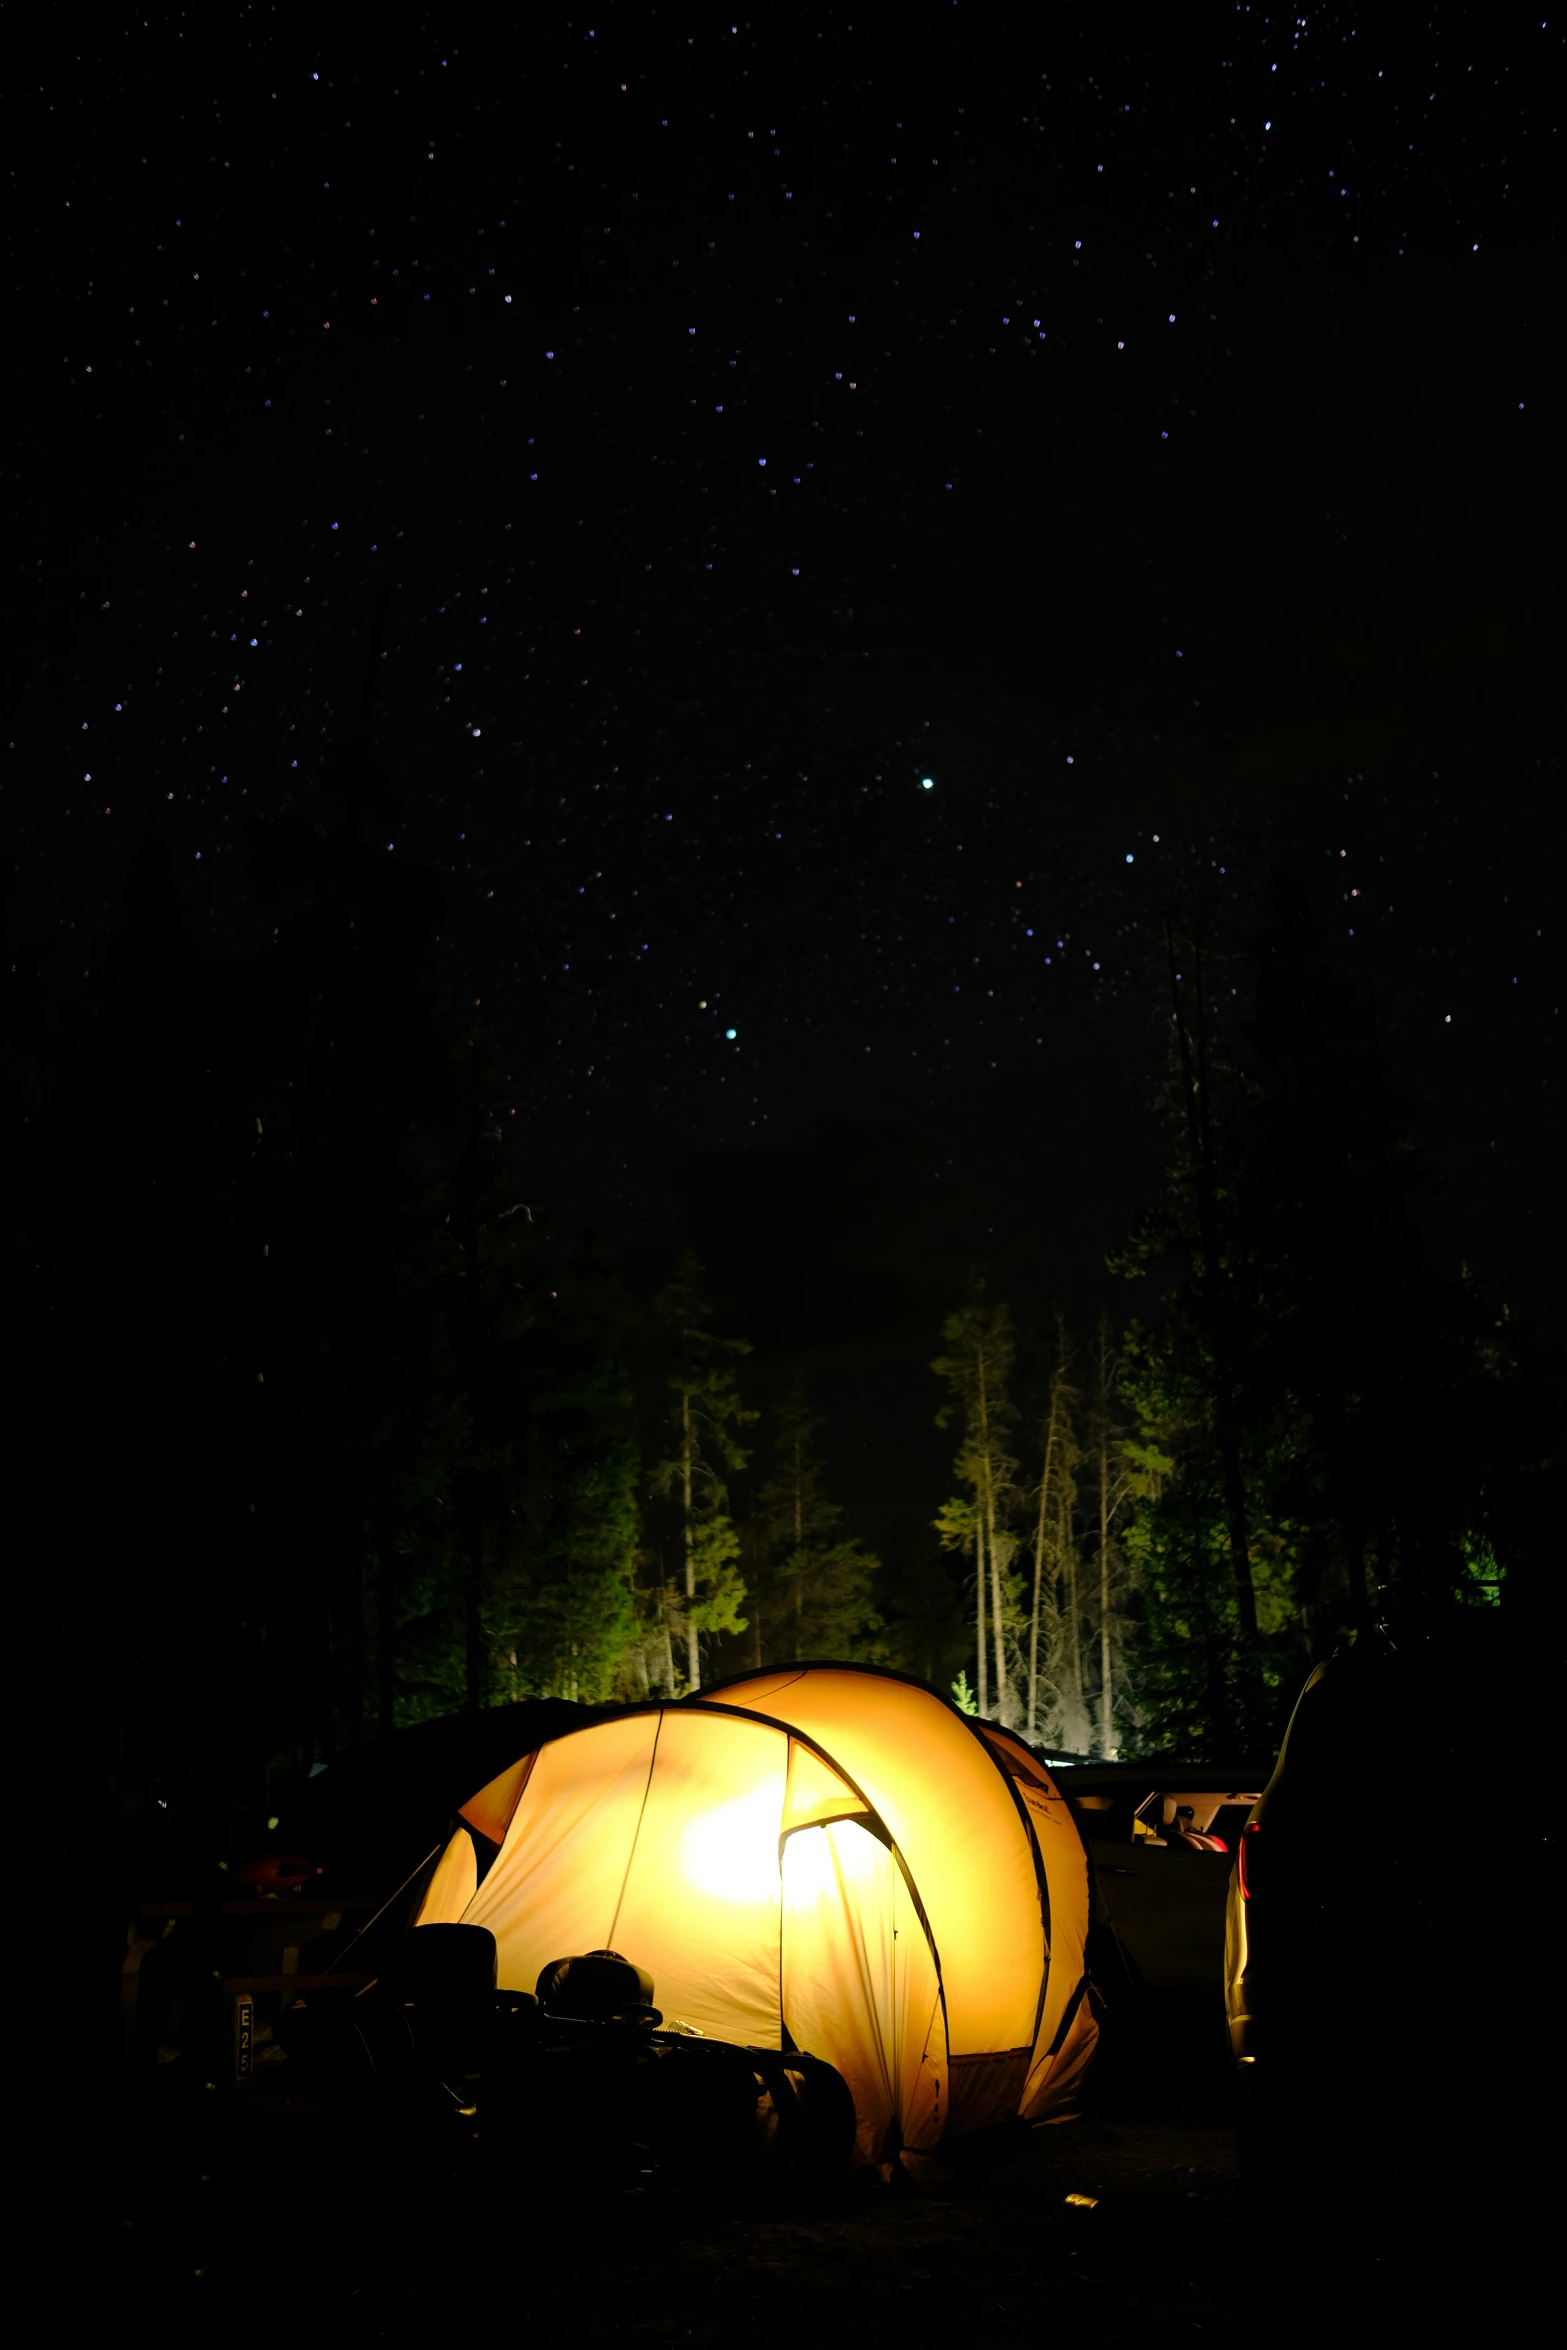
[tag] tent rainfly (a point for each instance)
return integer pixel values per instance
(823, 1857)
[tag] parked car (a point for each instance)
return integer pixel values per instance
(1396, 1898)
(1161, 1838)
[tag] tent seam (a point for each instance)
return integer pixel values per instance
(620, 1898)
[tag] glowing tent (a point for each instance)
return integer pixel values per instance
(827, 1858)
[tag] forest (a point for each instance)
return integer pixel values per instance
(325, 1429)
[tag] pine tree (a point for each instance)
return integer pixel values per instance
(959, 1526)
(1111, 1487)
(1208, 1585)
(1057, 1709)
(1301, 1342)
(1214, 1288)
(977, 1367)
(562, 1612)
(702, 1424)
(795, 1508)
(817, 1584)
(927, 1634)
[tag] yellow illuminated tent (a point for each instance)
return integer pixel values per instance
(827, 1857)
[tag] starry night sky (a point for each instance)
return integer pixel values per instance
(831, 524)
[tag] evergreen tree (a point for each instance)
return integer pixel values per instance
(816, 1597)
(1310, 1389)
(1057, 1704)
(959, 1525)
(563, 1618)
(795, 1510)
(1218, 1299)
(976, 1368)
(1215, 1565)
(1111, 1486)
(700, 1450)
(927, 1634)
(277, 1383)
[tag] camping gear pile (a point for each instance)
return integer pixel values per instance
(578, 2079)
(824, 1871)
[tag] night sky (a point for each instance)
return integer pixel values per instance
(831, 523)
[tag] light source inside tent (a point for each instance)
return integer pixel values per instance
(657, 1835)
(731, 1851)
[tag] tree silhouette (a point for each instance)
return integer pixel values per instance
(700, 1450)
(816, 1598)
(976, 1367)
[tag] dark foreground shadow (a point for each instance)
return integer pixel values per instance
(247, 2217)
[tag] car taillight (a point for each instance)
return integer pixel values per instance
(1246, 1857)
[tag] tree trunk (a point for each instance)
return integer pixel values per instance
(1003, 1693)
(693, 1661)
(988, 1504)
(1106, 1721)
(356, 1656)
(980, 1640)
(1074, 1619)
(1039, 1556)
(386, 1640)
(473, 1500)
(1039, 1575)
(1355, 1570)
(474, 1658)
(1200, 1139)
(1220, 1708)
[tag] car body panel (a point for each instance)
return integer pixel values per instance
(1160, 1888)
(1388, 1874)
(1166, 1902)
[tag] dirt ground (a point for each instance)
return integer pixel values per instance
(261, 2219)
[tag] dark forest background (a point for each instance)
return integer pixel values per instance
(321, 1429)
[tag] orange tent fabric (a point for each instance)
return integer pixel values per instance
(833, 1860)
(1009, 1910)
